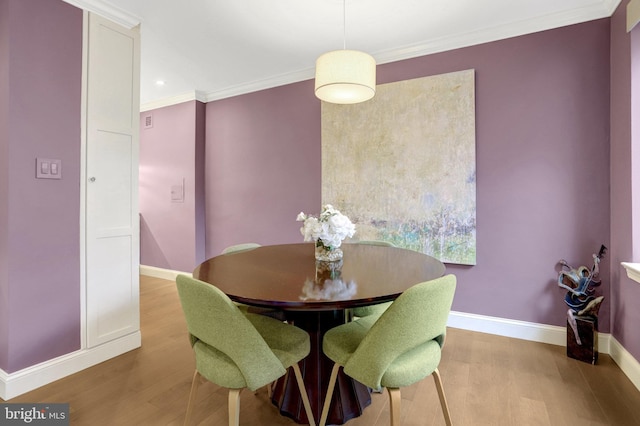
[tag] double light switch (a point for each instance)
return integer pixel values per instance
(47, 168)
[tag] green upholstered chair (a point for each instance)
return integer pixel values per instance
(399, 348)
(378, 309)
(236, 350)
(240, 247)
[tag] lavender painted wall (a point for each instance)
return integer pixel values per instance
(262, 166)
(4, 183)
(171, 234)
(542, 106)
(625, 133)
(42, 236)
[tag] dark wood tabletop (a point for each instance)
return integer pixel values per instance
(287, 276)
(314, 296)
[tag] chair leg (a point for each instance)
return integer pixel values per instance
(443, 398)
(303, 393)
(234, 407)
(192, 397)
(327, 400)
(395, 400)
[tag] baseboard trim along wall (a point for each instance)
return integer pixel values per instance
(165, 274)
(30, 378)
(551, 334)
(15, 384)
(543, 333)
(627, 363)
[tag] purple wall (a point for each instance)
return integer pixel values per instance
(41, 244)
(4, 183)
(171, 233)
(262, 166)
(542, 106)
(625, 133)
(542, 114)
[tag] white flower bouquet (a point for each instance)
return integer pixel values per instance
(328, 230)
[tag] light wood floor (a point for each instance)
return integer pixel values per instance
(489, 380)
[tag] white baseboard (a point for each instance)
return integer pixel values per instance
(165, 274)
(12, 385)
(627, 363)
(554, 335)
(551, 334)
(30, 378)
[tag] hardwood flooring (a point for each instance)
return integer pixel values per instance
(489, 380)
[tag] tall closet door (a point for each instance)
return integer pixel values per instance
(112, 143)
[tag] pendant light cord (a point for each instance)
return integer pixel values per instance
(344, 25)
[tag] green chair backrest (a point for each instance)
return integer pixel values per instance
(376, 243)
(417, 316)
(240, 247)
(214, 319)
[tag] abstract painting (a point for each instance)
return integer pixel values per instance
(402, 166)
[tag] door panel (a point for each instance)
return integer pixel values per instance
(112, 225)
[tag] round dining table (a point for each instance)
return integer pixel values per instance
(317, 296)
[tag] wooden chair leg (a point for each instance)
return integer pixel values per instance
(234, 407)
(303, 393)
(395, 400)
(192, 397)
(443, 398)
(327, 400)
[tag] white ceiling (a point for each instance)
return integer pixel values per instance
(212, 49)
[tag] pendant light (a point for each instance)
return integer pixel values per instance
(345, 76)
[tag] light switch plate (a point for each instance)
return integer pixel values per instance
(177, 193)
(48, 168)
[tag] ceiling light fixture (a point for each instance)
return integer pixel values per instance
(345, 76)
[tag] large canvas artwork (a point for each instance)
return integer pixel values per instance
(402, 166)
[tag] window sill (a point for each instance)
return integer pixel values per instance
(633, 270)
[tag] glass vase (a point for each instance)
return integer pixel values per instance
(328, 254)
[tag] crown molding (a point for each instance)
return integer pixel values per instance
(174, 100)
(254, 86)
(603, 9)
(108, 11)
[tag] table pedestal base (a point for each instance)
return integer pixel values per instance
(350, 397)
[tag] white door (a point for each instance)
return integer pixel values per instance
(112, 224)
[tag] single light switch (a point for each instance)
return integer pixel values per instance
(47, 168)
(177, 193)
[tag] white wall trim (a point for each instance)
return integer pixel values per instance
(165, 274)
(542, 333)
(254, 86)
(174, 100)
(627, 363)
(108, 11)
(12, 385)
(30, 378)
(598, 10)
(633, 270)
